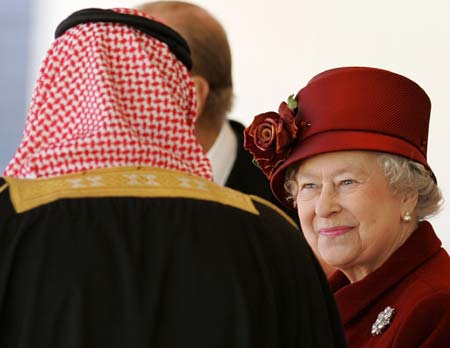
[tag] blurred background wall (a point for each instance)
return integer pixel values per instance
(277, 46)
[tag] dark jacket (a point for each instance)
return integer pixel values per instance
(415, 282)
(147, 257)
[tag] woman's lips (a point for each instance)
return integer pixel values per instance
(334, 231)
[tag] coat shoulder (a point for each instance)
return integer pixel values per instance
(430, 275)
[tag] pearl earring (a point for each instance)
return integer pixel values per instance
(406, 217)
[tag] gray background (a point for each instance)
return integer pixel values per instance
(14, 64)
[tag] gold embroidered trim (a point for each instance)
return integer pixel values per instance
(27, 194)
(277, 209)
(3, 188)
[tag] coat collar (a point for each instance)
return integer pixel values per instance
(354, 298)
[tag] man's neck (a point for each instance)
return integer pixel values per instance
(207, 133)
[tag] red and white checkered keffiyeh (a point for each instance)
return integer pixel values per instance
(110, 96)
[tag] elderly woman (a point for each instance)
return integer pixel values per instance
(349, 152)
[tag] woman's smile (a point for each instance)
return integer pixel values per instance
(336, 231)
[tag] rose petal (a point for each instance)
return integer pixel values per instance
(286, 114)
(266, 134)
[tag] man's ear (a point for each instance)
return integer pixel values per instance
(201, 91)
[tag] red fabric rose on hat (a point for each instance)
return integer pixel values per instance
(270, 137)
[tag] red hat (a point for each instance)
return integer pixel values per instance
(358, 108)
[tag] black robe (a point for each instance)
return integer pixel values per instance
(145, 257)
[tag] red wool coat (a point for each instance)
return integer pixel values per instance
(415, 281)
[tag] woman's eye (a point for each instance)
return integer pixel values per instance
(307, 191)
(347, 182)
(308, 186)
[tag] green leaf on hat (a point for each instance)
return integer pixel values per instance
(292, 102)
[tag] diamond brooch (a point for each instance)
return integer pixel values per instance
(383, 321)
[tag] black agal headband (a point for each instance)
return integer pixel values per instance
(159, 31)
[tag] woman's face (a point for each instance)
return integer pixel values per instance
(348, 212)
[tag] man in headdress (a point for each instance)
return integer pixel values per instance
(112, 233)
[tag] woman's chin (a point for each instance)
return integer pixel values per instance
(335, 255)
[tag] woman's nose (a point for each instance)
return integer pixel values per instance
(327, 202)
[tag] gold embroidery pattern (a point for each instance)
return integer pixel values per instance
(3, 188)
(27, 194)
